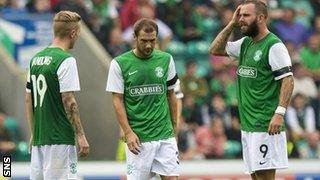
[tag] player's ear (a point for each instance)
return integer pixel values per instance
(73, 33)
(261, 18)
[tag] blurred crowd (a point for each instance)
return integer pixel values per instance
(210, 126)
(11, 142)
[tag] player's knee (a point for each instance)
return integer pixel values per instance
(265, 174)
(169, 177)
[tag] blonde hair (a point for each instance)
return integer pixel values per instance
(64, 22)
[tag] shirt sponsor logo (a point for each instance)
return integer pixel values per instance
(257, 55)
(42, 60)
(245, 71)
(150, 89)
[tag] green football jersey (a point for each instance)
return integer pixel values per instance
(258, 91)
(50, 121)
(145, 94)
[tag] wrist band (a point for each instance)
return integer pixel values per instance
(280, 110)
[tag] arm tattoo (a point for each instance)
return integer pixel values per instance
(218, 46)
(286, 91)
(72, 111)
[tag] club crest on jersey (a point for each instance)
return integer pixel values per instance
(159, 72)
(257, 55)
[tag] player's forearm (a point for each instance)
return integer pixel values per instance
(179, 110)
(218, 46)
(173, 108)
(29, 111)
(72, 111)
(121, 113)
(286, 91)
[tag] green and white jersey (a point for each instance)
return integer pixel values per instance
(51, 72)
(261, 65)
(144, 84)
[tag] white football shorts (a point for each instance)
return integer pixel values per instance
(262, 151)
(159, 157)
(53, 162)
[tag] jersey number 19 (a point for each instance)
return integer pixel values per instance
(39, 87)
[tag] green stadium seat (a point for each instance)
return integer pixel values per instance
(177, 48)
(198, 47)
(180, 66)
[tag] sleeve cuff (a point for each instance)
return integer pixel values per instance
(114, 91)
(69, 90)
(283, 75)
(172, 81)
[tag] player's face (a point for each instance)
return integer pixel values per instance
(146, 42)
(74, 36)
(248, 20)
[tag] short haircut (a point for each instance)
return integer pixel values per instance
(260, 6)
(64, 22)
(145, 24)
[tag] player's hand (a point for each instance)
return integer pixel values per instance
(236, 17)
(133, 143)
(83, 146)
(275, 124)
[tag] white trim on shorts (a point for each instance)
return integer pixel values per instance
(160, 157)
(53, 162)
(262, 151)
